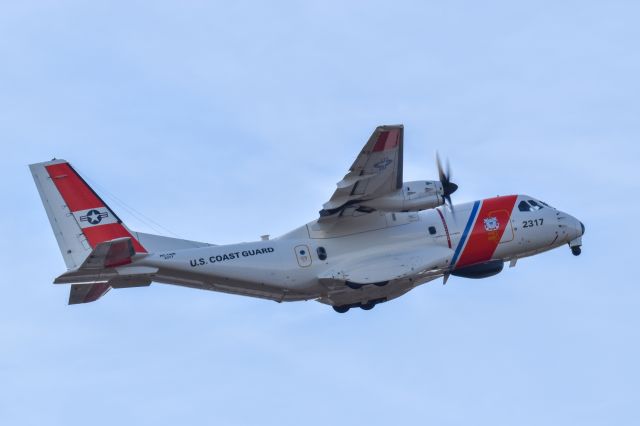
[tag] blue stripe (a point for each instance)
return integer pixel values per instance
(465, 234)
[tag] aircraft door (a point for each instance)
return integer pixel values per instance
(303, 255)
(503, 219)
(498, 222)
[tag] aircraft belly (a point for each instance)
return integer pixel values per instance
(264, 271)
(392, 290)
(277, 294)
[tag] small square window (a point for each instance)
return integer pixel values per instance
(432, 230)
(322, 253)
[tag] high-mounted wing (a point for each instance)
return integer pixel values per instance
(377, 171)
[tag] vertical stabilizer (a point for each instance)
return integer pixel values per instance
(80, 219)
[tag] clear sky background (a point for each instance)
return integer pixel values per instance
(223, 121)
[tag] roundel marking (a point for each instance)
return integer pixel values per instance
(94, 217)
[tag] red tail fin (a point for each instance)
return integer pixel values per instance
(96, 220)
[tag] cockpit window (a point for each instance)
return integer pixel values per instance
(524, 206)
(532, 205)
(535, 206)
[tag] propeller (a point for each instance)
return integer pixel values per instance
(448, 187)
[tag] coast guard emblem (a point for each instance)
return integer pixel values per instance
(491, 223)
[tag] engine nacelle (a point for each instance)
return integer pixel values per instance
(482, 270)
(412, 197)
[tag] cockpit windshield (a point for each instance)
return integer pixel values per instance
(532, 205)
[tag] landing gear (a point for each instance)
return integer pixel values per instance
(367, 306)
(357, 286)
(345, 308)
(576, 246)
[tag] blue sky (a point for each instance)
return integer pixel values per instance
(223, 121)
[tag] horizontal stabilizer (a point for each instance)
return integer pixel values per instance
(83, 293)
(122, 276)
(110, 254)
(106, 267)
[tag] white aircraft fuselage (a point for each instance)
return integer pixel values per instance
(375, 239)
(291, 265)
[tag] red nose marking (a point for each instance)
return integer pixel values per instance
(493, 219)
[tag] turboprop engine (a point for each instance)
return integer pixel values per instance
(418, 195)
(413, 196)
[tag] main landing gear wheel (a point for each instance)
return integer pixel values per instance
(367, 306)
(341, 309)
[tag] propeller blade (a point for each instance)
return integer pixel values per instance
(448, 187)
(450, 204)
(441, 174)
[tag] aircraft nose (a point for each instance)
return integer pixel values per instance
(575, 228)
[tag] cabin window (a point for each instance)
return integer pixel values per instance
(322, 253)
(432, 230)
